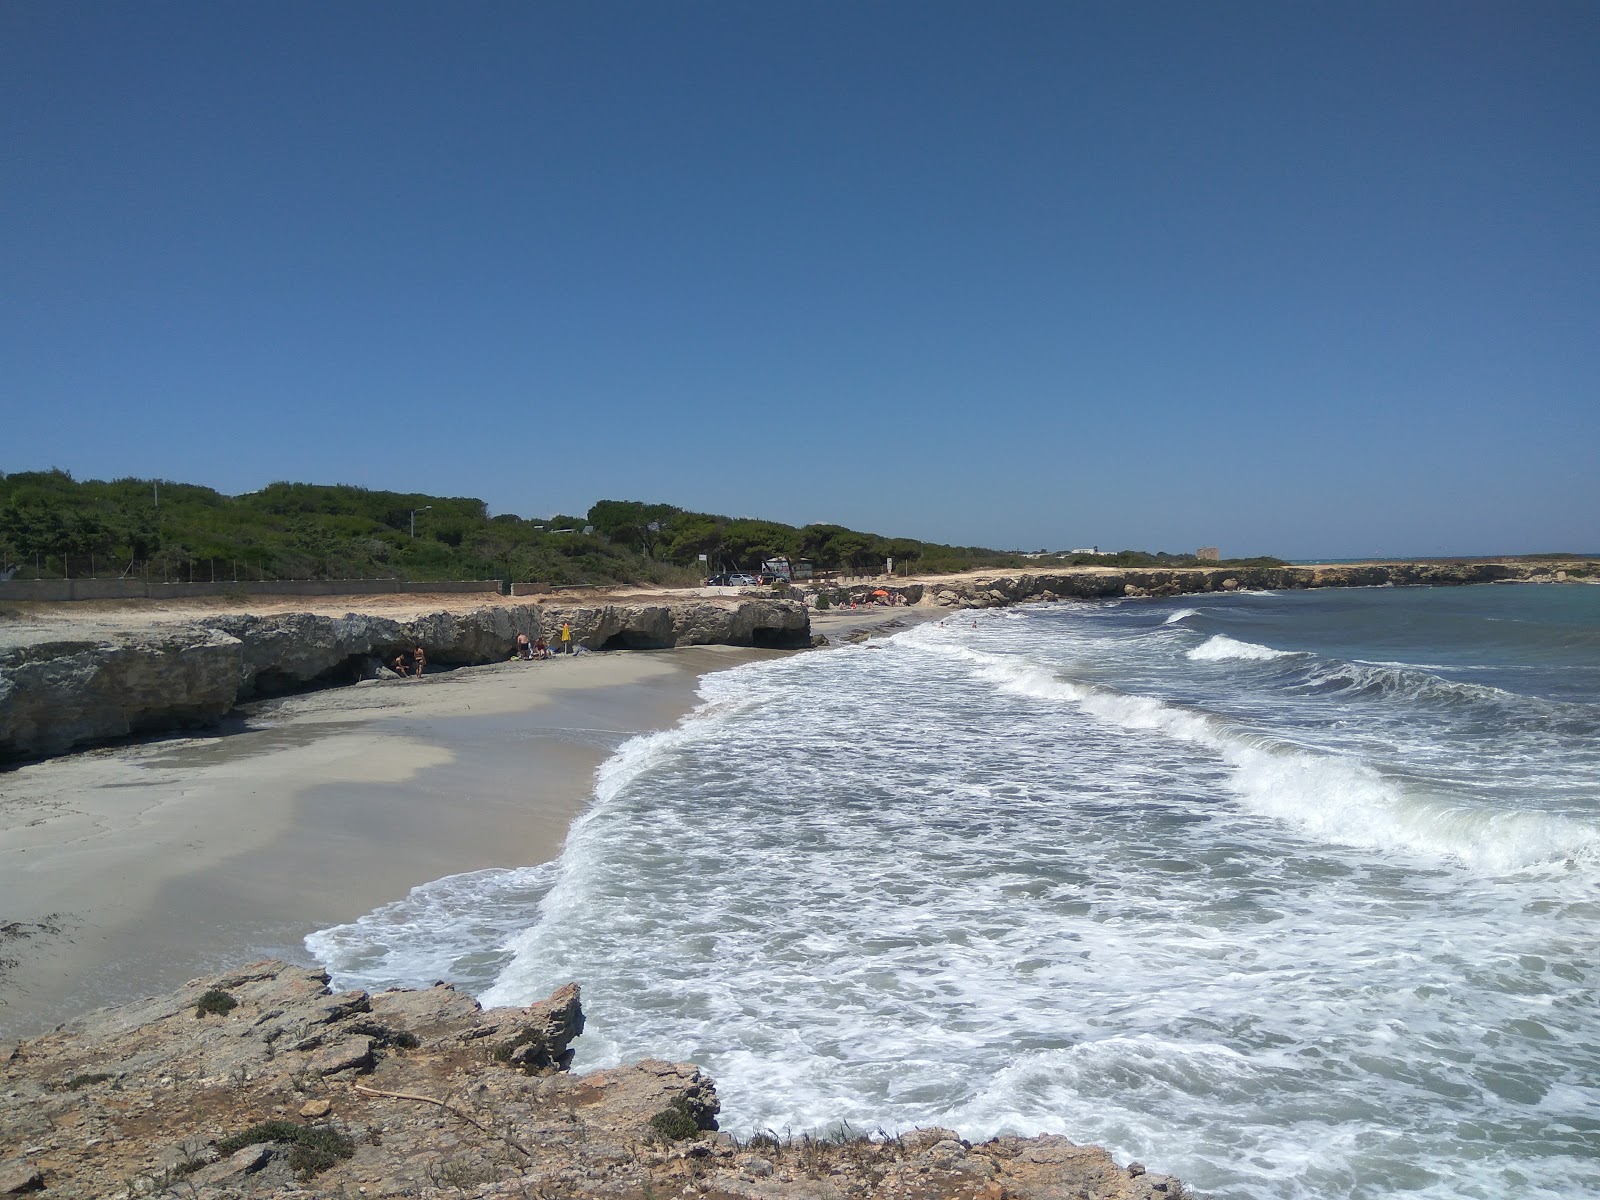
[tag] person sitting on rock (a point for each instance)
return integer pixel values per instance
(541, 648)
(401, 665)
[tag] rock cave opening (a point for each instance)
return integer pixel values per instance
(633, 639)
(352, 669)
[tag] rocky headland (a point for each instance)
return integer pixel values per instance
(262, 1081)
(998, 589)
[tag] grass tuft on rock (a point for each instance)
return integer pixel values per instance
(215, 1002)
(675, 1122)
(527, 1050)
(312, 1148)
(87, 1080)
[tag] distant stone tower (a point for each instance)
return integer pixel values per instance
(1208, 554)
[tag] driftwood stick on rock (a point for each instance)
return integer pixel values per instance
(449, 1108)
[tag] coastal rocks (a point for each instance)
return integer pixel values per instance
(776, 624)
(152, 1099)
(19, 1177)
(55, 695)
(58, 695)
(1092, 583)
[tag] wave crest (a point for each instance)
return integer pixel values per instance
(1222, 648)
(1330, 796)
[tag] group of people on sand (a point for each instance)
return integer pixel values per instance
(412, 665)
(527, 650)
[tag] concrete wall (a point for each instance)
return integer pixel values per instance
(555, 589)
(138, 589)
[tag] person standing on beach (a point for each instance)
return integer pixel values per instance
(566, 638)
(421, 659)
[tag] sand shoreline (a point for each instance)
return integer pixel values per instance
(157, 861)
(127, 869)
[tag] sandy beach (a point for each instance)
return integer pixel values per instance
(128, 870)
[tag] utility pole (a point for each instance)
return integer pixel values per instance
(414, 513)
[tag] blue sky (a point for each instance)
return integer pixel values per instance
(1287, 278)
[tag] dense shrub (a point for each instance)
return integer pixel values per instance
(313, 1148)
(675, 1122)
(214, 1002)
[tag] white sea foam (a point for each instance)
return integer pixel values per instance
(1180, 614)
(1049, 875)
(1222, 648)
(1332, 797)
(448, 929)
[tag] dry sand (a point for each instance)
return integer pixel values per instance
(156, 862)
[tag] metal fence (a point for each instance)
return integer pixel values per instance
(171, 570)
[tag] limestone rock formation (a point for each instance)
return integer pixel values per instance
(57, 695)
(263, 1082)
(1089, 583)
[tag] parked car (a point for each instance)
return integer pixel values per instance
(732, 579)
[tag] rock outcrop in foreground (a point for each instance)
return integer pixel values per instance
(262, 1082)
(55, 695)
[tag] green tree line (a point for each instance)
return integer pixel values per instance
(51, 524)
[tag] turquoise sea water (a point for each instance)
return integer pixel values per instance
(1290, 895)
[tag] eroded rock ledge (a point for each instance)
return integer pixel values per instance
(286, 1088)
(55, 695)
(1092, 583)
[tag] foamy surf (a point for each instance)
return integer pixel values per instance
(1222, 648)
(1324, 794)
(1280, 935)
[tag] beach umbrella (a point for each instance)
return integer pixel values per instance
(880, 592)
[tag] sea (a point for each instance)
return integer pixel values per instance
(1287, 894)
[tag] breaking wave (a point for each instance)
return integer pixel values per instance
(1222, 648)
(1326, 795)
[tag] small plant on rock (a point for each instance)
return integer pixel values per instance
(217, 1002)
(527, 1050)
(82, 1081)
(675, 1122)
(312, 1148)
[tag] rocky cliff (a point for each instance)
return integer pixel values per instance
(262, 1082)
(55, 695)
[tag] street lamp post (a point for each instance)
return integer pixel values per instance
(414, 513)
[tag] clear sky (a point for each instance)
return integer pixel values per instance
(1293, 278)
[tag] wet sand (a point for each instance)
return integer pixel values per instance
(132, 869)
